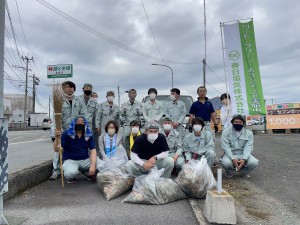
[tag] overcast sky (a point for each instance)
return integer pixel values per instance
(178, 26)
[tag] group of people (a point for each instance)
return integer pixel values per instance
(91, 133)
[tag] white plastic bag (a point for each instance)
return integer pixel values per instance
(112, 179)
(196, 178)
(154, 189)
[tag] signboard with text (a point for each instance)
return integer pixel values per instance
(283, 116)
(60, 71)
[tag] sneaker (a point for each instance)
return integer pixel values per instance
(54, 176)
(88, 177)
(72, 181)
(245, 175)
(229, 175)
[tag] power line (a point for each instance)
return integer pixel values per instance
(214, 73)
(106, 37)
(22, 26)
(152, 32)
(11, 81)
(10, 44)
(12, 68)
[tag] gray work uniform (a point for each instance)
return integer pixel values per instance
(102, 145)
(131, 112)
(238, 145)
(175, 146)
(70, 112)
(91, 109)
(153, 112)
(176, 110)
(195, 147)
(104, 113)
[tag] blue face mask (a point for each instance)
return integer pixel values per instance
(237, 127)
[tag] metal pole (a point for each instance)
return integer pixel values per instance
(49, 104)
(3, 157)
(33, 94)
(204, 72)
(155, 64)
(119, 96)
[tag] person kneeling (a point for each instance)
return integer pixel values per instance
(237, 143)
(174, 143)
(199, 143)
(79, 153)
(150, 149)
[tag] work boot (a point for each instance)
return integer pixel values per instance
(54, 176)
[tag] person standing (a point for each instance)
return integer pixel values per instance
(130, 138)
(225, 112)
(153, 110)
(237, 143)
(72, 108)
(203, 108)
(91, 109)
(131, 110)
(176, 110)
(107, 111)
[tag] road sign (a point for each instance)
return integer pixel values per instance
(60, 71)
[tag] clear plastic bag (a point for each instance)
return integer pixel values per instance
(112, 179)
(196, 178)
(154, 189)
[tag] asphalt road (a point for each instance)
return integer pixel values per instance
(83, 203)
(28, 148)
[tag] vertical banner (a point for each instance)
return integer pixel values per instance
(245, 86)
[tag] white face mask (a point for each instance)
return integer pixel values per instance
(111, 131)
(167, 126)
(172, 97)
(135, 130)
(110, 98)
(197, 127)
(152, 137)
(152, 96)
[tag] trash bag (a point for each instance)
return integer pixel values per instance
(112, 179)
(195, 178)
(152, 189)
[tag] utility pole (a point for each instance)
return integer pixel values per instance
(35, 81)
(49, 104)
(119, 96)
(204, 72)
(3, 121)
(26, 87)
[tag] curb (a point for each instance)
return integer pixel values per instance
(21, 181)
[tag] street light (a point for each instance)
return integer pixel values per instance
(154, 64)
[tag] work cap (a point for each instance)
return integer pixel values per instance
(167, 119)
(238, 116)
(87, 85)
(152, 125)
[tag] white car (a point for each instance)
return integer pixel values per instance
(47, 123)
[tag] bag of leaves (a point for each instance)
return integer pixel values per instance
(195, 178)
(154, 189)
(112, 179)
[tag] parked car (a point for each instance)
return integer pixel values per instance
(47, 123)
(186, 99)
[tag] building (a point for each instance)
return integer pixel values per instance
(18, 104)
(7, 112)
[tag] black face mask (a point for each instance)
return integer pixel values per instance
(237, 127)
(87, 92)
(79, 127)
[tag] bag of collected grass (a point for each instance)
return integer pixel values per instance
(112, 179)
(154, 189)
(195, 178)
